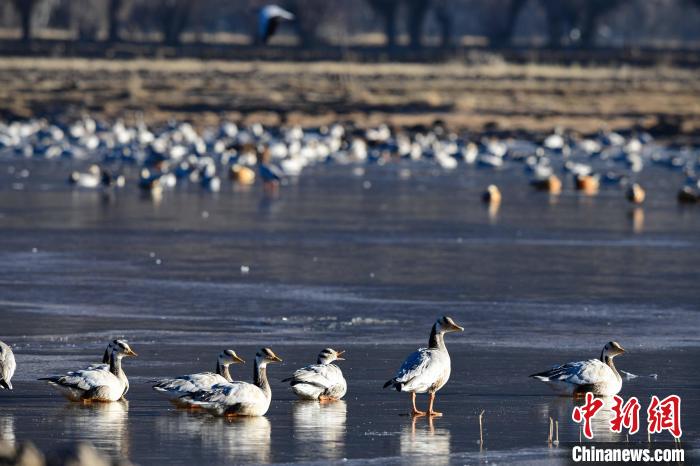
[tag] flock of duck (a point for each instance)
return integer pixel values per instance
(426, 370)
(179, 153)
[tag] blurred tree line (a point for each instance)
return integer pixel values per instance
(391, 23)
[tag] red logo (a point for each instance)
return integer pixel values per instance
(626, 415)
(665, 415)
(586, 412)
(661, 415)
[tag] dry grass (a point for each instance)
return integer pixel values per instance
(509, 97)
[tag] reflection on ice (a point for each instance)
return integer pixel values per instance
(421, 438)
(7, 429)
(320, 429)
(560, 409)
(102, 424)
(239, 440)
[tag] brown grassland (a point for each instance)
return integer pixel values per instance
(493, 95)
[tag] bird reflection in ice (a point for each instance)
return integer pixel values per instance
(236, 440)
(103, 424)
(320, 429)
(421, 438)
(7, 429)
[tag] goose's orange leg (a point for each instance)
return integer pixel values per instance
(432, 412)
(415, 411)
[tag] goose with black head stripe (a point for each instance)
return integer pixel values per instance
(239, 398)
(104, 365)
(175, 388)
(322, 381)
(96, 383)
(428, 369)
(598, 376)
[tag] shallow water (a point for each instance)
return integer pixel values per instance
(365, 267)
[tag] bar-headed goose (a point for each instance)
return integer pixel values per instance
(7, 366)
(598, 376)
(96, 383)
(185, 384)
(104, 365)
(239, 398)
(428, 369)
(322, 381)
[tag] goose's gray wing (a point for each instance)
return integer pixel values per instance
(85, 379)
(7, 366)
(226, 394)
(190, 383)
(415, 365)
(315, 374)
(579, 372)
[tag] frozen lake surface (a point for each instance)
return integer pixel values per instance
(360, 263)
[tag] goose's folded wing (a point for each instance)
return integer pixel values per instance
(416, 364)
(229, 394)
(579, 372)
(85, 379)
(317, 374)
(189, 383)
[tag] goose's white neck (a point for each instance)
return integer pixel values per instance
(608, 360)
(260, 378)
(115, 364)
(437, 338)
(222, 370)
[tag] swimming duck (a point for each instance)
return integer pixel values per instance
(551, 183)
(96, 383)
(239, 398)
(186, 384)
(89, 180)
(7, 366)
(428, 369)
(492, 195)
(636, 194)
(242, 174)
(322, 381)
(598, 376)
(687, 195)
(589, 184)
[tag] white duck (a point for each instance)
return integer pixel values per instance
(322, 381)
(598, 376)
(174, 388)
(239, 398)
(7, 366)
(96, 383)
(428, 369)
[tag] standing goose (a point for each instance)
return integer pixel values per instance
(322, 381)
(428, 369)
(7, 366)
(96, 383)
(187, 384)
(598, 376)
(239, 398)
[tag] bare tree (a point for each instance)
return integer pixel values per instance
(173, 15)
(501, 31)
(113, 9)
(417, 11)
(387, 9)
(443, 17)
(310, 15)
(25, 9)
(588, 13)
